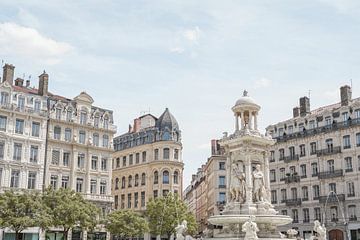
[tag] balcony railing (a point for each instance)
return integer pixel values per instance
(331, 174)
(318, 130)
(292, 179)
(329, 151)
(293, 202)
(222, 186)
(291, 158)
(332, 198)
(352, 218)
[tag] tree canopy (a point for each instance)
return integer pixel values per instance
(165, 213)
(126, 223)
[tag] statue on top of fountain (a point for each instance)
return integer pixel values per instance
(238, 185)
(258, 184)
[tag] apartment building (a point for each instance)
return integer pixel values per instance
(315, 167)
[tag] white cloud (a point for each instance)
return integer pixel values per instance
(204, 146)
(192, 35)
(177, 50)
(331, 95)
(262, 83)
(16, 40)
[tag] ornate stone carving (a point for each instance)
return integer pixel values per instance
(320, 230)
(180, 230)
(237, 185)
(250, 229)
(258, 185)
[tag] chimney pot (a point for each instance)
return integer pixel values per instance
(8, 73)
(345, 95)
(19, 82)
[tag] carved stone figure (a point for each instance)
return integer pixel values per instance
(180, 230)
(282, 236)
(237, 188)
(292, 233)
(258, 187)
(250, 229)
(320, 230)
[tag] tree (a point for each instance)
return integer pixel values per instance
(165, 213)
(21, 210)
(69, 209)
(126, 223)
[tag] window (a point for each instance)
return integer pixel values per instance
(316, 191)
(143, 179)
(144, 156)
(136, 200)
(130, 181)
(65, 181)
(165, 177)
(346, 142)
(37, 106)
(314, 169)
(124, 161)
(2, 148)
(68, 134)
(332, 187)
(282, 173)
(55, 157)
(166, 153)
(103, 187)
(94, 160)
(292, 152)
(176, 154)
(284, 212)
(122, 202)
(19, 126)
(82, 136)
(53, 181)
(137, 158)
(69, 115)
(305, 193)
(292, 169)
(93, 186)
(58, 114)
(294, 193)
(281, 154)
(281, 132)
(313, 148)
(221, 165)
(273, 196)
(66, 158)
(303, 170)
(176, 177)
(117, 183)
(123, 182)
(302, 150)
(17, 151)
(104, 164)
(328, 121)
(331, 166)
(106, 122)
(96, 121)
(357, 113)
(222, 197)
(312, 124)
(34, 154)
(31, 180)
(306, 215)
(283, 195)
(57, 132)
(14, 181)
(301, 127)
(352, 212)
(3, 121)
(4, 98)
(105, 141)
(295, 215)
(155, 193)
(142, 199)
(35, 129)
(21, 103)
(317, 214)
(79, 184)
(272, 175)
(351, 189)
(96, 139)
(129, 200)
(117, 162)
(81, 160)
(83, 117)
(116, 200)
(348, 164)
(222, 183)
(136, 182)
(130, 159)
(291, 129)
(272, 156)
(329, 144)
(156, 177)
(358, 139)
(156, 154)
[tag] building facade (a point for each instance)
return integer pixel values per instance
(315, 167)
(147, 162)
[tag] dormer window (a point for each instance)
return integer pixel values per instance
(301, 127)
(106, 122)
(69, 115)
(345, 116)
(83, 117)
(58, 113)
(328, 121)
(281, 132)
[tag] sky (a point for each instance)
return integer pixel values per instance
(194, 57)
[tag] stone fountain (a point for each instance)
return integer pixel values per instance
(248, 212)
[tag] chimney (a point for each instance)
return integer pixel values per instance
(8, 73)
(345, 95)
(296, 112)
(27, 83)
(43, 84)
(137, 124)
(19, 82)
(304, 106)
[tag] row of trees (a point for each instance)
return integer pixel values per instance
(67, 209)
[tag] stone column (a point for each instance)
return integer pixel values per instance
(250, 120)
(242, 120)
(255, 121)
(248, 175)
(236, 122)
(266, 172)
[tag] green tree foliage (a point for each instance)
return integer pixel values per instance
(165, 213)
(21, 210)
(69, 209)
(126, 223)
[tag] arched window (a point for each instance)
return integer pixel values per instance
(143, 179)
(58, 113)
(105, 141)
(123, 182)
(57, 132)
(82, 136)
(68, 134)
(176, 177)
(166, 136)
(165, 177)
(156, 177)
(136, 180)
(130, 181)
(116, 183)
(83, 117)
(96, 139)
(69, 115)
(166, 153)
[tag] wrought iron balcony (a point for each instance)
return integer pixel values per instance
(291, 158)
(332, 198)
(331, 174)
(292, 179)
(293, 202)
(352, 218)
(222, 186)
(329, 151)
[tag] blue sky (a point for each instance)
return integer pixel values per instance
(195, 57)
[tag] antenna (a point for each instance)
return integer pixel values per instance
(309, 93)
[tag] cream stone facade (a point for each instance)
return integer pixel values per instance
(315, 166)
(147, 162)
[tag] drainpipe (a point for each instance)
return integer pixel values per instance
(46, 142)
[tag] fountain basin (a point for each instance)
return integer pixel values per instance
(275, 220)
